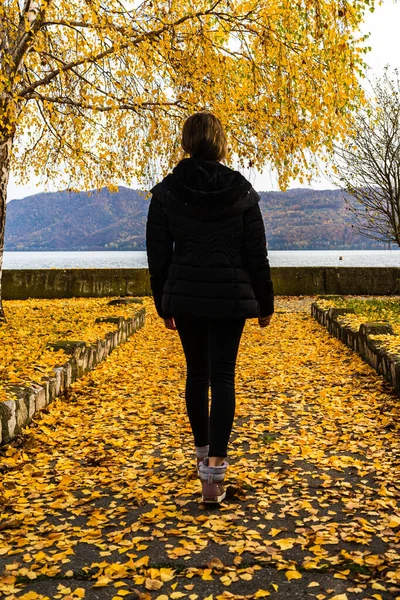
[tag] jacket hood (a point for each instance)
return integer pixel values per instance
(206, 189)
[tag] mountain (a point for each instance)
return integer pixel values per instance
(299, 219)
(305, 219)
(97, 220)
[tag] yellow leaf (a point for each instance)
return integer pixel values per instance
(378, 586)
(284, 543)
(144, 561)
(180, 551)
(65, 480)
(215, 563)
(262, 594)
(153, 584)
(291, 574)
(339, 597)
(274, 531)
(102, 581)
(166, 574)
(394, 521)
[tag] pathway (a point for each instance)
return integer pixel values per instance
(100, 497)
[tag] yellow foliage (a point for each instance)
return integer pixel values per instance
(95, 92)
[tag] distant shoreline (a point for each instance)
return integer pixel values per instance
(269, 249)
(138, 259)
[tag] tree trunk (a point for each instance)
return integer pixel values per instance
(5, 154)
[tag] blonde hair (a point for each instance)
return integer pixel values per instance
(203, 136)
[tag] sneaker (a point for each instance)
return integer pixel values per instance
(213, 491)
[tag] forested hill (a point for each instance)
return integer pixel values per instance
(302, 219)
(298, 219)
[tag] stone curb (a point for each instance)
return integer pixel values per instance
(17, 413)
(385, 363)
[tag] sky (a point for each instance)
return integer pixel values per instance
(385, 42)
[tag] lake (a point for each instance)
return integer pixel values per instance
(138, 259)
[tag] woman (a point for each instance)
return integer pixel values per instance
(209, 272)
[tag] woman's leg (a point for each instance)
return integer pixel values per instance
(194, 338)
(224, 340)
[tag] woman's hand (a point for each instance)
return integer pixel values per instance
(264, 321)
(170, 323)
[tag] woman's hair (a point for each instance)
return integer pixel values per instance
(203, 136)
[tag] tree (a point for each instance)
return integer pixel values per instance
(93, 92)
(367, 164)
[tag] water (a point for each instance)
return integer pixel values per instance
(138, 259)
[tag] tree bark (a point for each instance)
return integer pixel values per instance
(5, 154)
(11, 60)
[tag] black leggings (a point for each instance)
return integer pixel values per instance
(210, 348)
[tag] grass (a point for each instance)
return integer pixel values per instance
(268, 438)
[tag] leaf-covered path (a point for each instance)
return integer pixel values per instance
(100, 497)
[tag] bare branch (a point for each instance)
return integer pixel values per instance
(368, 164)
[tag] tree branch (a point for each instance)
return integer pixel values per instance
(109, 51)
(99, 108)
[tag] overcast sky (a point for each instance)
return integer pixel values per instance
(383, 26)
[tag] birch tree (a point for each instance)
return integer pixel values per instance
(93, 92)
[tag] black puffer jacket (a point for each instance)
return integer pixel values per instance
(206, 246)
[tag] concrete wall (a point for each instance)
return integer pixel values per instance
(298, 281)
(288, 281)
(78, 283)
